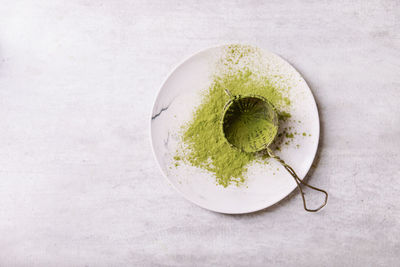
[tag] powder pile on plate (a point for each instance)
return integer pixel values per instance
(203, 143)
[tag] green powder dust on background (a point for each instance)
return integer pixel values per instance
(203, 142)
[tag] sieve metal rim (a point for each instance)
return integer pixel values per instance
(234, 98)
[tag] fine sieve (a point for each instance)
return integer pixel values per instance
(250, 123)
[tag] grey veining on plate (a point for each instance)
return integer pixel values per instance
(159, 113)
(78, 182)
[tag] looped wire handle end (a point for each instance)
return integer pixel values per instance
(299, 182)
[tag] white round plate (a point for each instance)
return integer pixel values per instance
(266, 184)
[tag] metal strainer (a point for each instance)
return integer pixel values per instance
(250, 124)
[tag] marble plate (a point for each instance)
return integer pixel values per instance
(266, 184)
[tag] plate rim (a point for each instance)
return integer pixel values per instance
(169, 74)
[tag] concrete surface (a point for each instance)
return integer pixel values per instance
(78, 182)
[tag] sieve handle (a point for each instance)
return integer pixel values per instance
(229, 93)
(299, 182)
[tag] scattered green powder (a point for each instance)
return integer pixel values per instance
(283, 116)
(289, 135)
(204, 144)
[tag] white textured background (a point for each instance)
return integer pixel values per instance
(78, 182)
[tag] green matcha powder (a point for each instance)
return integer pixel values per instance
(203, 142)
